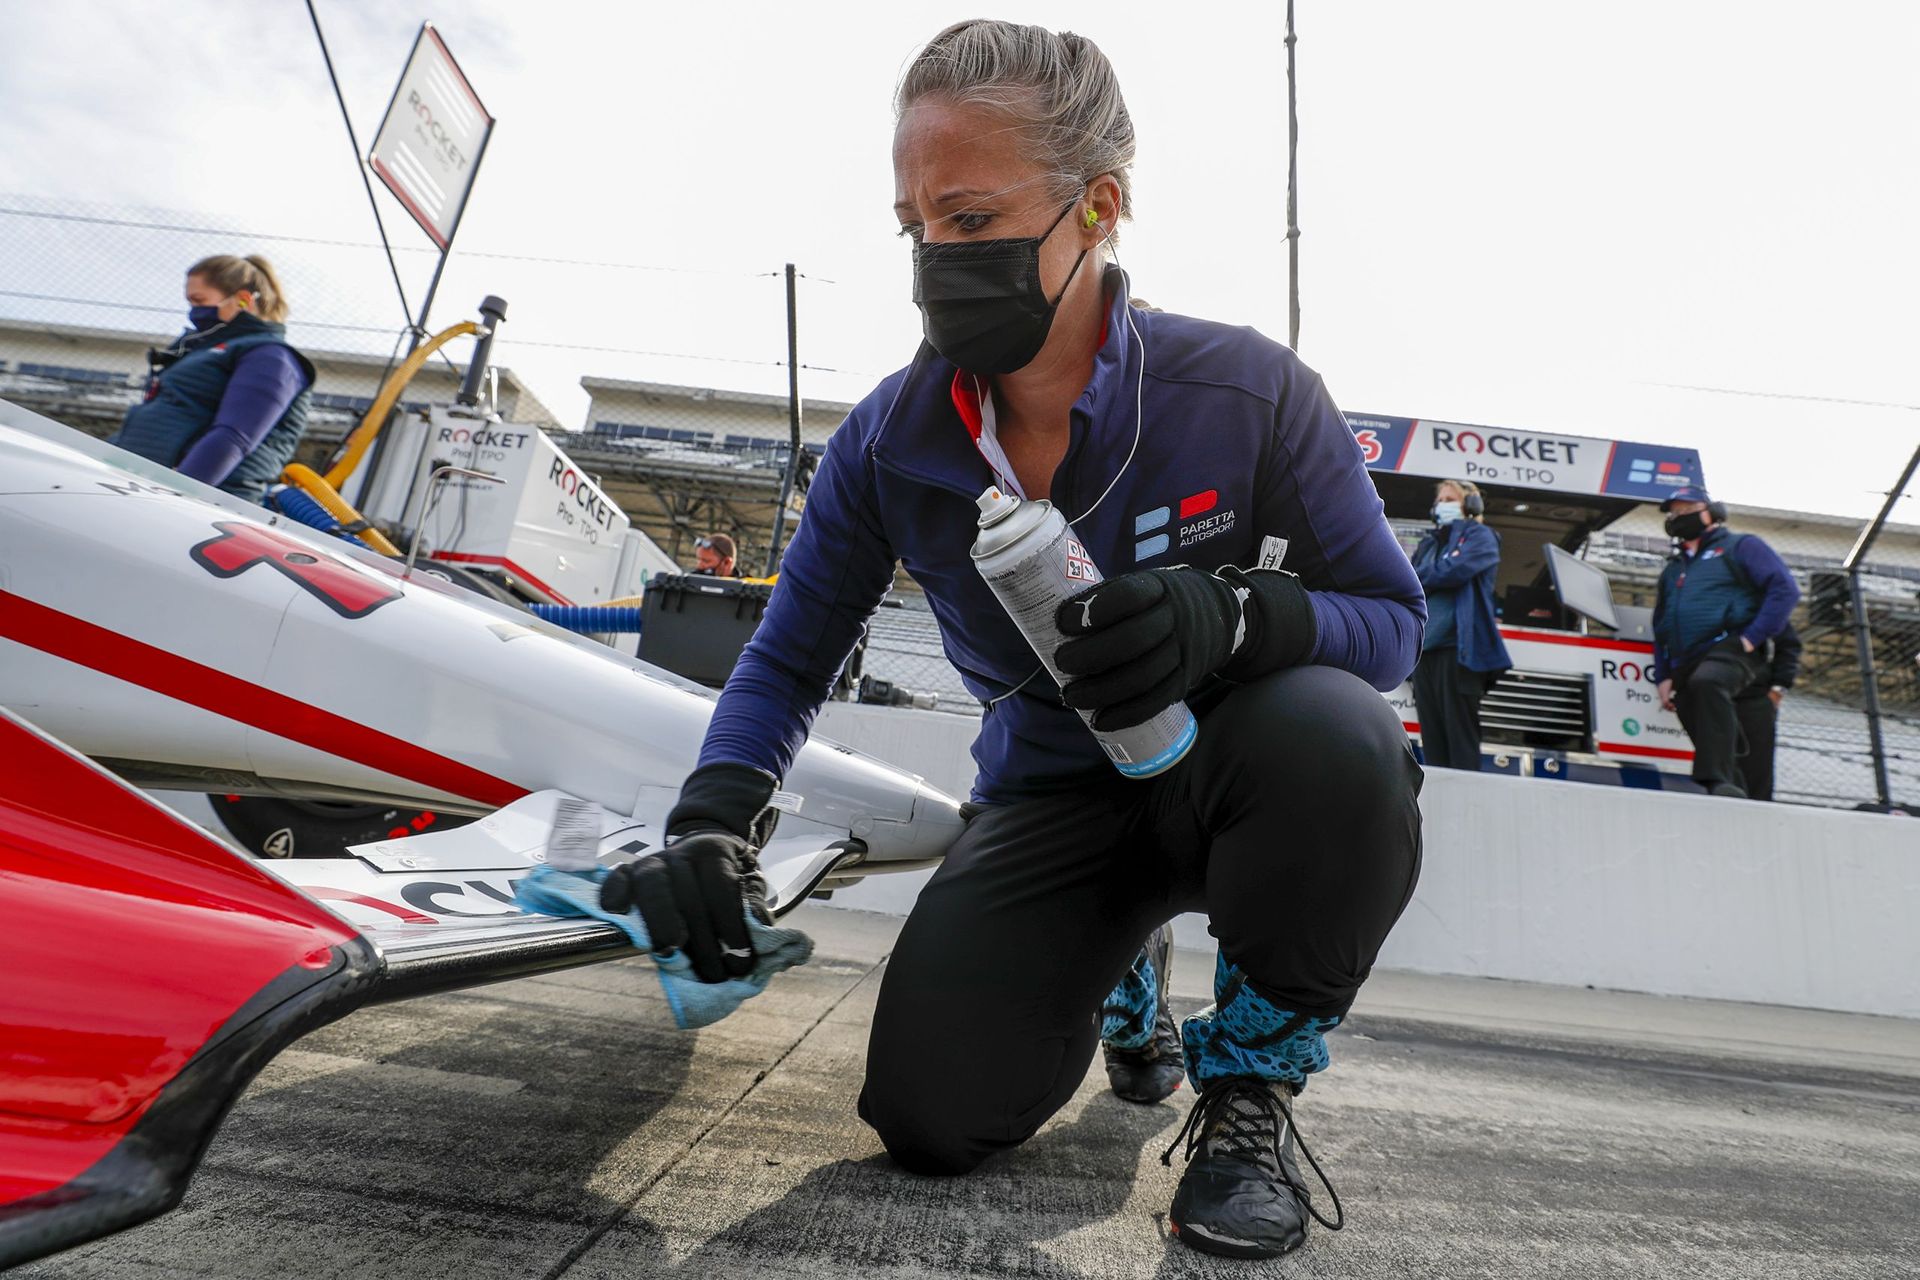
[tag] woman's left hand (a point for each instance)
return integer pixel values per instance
(1139, 643)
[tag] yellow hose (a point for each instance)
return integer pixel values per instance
(311, 483)
(364, 435)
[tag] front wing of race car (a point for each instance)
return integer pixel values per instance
(148, 972)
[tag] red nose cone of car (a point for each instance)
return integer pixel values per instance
(146, 973)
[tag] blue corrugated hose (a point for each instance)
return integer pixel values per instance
(294, 504)
(591, 619)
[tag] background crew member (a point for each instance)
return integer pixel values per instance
(1462, 653)
(1721, 597)
(1292, 822)
(227, 401)
(713, 556)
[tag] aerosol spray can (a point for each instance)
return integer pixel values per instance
(1029, 555)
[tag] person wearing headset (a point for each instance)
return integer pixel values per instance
(1191, 457)
(1462, 653)
(227, 400)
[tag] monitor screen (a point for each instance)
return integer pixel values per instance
(1582, 587)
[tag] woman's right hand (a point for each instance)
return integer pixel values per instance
(694, 895)
(1666, 695)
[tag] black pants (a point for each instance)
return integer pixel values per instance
(1293, 823)
(1758, 719)
(1704, 694)
(1447, 696)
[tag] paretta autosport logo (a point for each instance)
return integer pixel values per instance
(1199, 519)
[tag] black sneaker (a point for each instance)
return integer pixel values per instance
(1152, 1071)
(1242, 1195)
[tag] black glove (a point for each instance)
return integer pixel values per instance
(1141, 642)
(693, 894)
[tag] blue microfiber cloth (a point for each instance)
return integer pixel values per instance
(550, 891)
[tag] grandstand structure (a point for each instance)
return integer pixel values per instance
(684, 461)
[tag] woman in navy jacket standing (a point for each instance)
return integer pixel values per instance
(1462, 653)
(227, 400)
(1250, 570)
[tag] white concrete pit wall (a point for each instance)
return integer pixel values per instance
(1585, 885)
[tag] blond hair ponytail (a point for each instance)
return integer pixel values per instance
(253, 274)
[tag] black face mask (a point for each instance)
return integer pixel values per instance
(1687, 527)
(981, 301)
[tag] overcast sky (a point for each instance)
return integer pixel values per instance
(1523, 214)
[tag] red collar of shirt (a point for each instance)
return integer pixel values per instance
(969, 387)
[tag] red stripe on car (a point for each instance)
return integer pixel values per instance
(124, 658)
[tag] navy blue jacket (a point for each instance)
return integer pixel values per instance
(1241, 441)
(1463, 557)
(1732, 584)
(229, 410)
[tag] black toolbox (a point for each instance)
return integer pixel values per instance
(695, 625)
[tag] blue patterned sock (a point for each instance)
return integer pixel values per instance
(1242, 1033)
(1126, 1015)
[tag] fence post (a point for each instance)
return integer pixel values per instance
(1869, 690)
(793, 424)
(1863, 637)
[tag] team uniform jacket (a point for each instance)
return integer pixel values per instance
(229, 410)
(1733, 584)
(1241, 442)
(1463, 557)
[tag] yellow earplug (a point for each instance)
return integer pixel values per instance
(1093, 219)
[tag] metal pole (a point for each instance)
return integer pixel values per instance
(1293, 201)
(1869, 691)
(1863, 633)
(453, 232)
(426, 309)
(426, 304)
(793, 423)
(379, 455)
(1868, 535)
(495, 311)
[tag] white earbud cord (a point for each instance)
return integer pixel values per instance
(1139, 392)
(1139, 395)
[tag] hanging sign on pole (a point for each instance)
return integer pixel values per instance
(431, 140)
